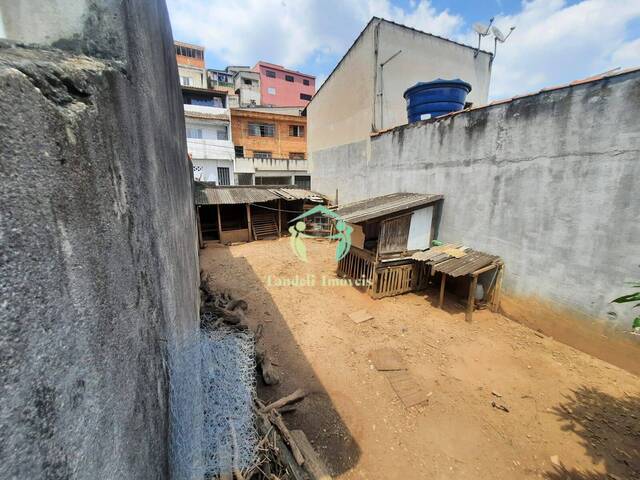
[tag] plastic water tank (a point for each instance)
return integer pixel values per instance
(432, 99)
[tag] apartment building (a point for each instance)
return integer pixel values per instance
(223, 80)
(190, 59)
(270, 148)
(246, 85)
(281, 87)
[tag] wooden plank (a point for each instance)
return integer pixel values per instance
(312, 463)
(249, 226)
(471, 298)
(442, 283)
(219, 223)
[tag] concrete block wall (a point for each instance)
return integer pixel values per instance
(548, 182)
(98, 270)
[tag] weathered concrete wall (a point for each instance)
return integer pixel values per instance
(98, 270)
(549, 182)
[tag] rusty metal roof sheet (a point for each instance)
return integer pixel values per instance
(210, 194)
(363, 210)
(453, 266)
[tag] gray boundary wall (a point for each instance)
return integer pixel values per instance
(549, 182)
(99, 269)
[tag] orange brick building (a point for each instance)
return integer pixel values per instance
(262, 134)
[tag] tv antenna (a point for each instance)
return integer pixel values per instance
(499, 37)
(482, 30)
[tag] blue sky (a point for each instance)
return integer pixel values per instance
(555, 41)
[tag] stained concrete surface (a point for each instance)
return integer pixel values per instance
(98, 269)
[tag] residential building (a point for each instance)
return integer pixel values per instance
(246, 84)
(190, 59)
(223, 80)
(209, 140)
(364, 92)
(281, 87)
(270, 148)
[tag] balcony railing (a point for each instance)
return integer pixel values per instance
(257, 164)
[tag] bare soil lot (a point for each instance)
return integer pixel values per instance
(570, 415)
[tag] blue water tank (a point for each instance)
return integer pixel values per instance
(432, 99)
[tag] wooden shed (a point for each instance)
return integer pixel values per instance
(233, 214)
(387, 231)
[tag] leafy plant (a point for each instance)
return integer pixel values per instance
(632, 297)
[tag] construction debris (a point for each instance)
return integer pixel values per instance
(387, 359)
(500, 406)
(278, 455)
(407, 389)
(360, 316)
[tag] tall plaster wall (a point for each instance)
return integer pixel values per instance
(99, 272)
(548, 182)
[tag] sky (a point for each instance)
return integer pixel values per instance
(555, 41)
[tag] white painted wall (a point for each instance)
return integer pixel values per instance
(207, 170)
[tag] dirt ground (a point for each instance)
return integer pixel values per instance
(570, 415)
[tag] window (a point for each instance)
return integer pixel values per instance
(296, 130)
(296, 155)
(194, 133)
(304, 96)
(221, 133)
(262, 154)
(223, 176)
(239, 149)
(271, 90)
(247, 81)
(303, 181)
(261, 129)
(288, 78)
(244, 178)
(270, 74)
(305, 81)
(185, 81)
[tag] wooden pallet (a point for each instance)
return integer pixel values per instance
(264, 225)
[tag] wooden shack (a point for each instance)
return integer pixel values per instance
(391, 252)
(230, 214)
(387, 231)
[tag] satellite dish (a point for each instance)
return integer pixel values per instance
(498, 34)
(499, 37)
(482, 30)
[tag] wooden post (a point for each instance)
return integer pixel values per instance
(249, 222)
(472, 296)
(200, 239)
(442, 282)
(279, 219)
(219, 224)
(497, 290)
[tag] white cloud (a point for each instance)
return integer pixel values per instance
(291, 32)
(553, 43)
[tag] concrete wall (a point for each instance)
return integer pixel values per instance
(548, 182)
(99, 273)
(359, 96)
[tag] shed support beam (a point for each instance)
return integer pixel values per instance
(471, 300)
(219, 224)
(442, 283)
(279, 219)
(249, 222)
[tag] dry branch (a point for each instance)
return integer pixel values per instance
(294, 397)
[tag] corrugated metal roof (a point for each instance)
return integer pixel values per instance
(385, 205)
(210, 194)
(455, 266)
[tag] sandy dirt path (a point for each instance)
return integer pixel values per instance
(570, 415)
